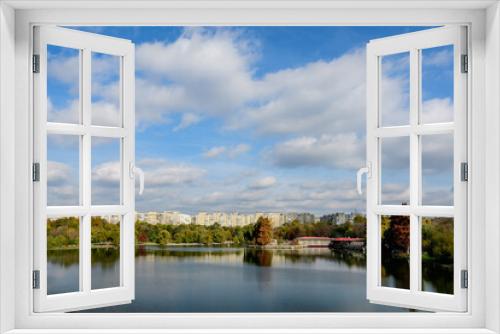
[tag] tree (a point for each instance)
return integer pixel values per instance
(396, 238)
(263, 231)
(164, 237)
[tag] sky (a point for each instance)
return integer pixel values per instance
(249, 119)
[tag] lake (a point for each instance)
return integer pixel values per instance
(223, 279)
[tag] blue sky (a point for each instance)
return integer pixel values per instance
(246, 118)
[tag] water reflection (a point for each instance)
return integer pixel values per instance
(220, 279)
(261, 258)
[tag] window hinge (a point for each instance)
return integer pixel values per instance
(464, 171)
(36, 63)
(36, 279)
(36, 172)
(464, 279)
(465, 63)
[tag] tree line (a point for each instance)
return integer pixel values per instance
(64, 232)
(437, 234)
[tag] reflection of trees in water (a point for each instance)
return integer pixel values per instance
(435, 274)
(186, 252)
(439, 275)
(397, 268)
(105, 257)
(350, 258)
(259, 257)
(64, 258)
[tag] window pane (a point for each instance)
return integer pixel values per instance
(395, 168)
(437, 254)
(63, 170)
(437, 84)
(106, 171)
(106, 90)
(63, 84)
(63, 256)
(105, 252)
(395, 244)
(437, 169)
(394, 89)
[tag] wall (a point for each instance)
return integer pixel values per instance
(492, 196)
(6, 168)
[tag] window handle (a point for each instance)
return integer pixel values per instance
(365, 170)
(136, 170)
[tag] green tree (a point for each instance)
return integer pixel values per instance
(163, 237)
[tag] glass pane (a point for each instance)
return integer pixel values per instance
(63, 256)
(105, 252)
(437, 169)
(395, 89)
(63, 170)
(437, 84)
(106, 90)
(395, 250)
(63, 84)
(437, 255)
(106, 171)
(395, 171)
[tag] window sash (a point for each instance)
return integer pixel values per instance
(86, 43)
(413, 43)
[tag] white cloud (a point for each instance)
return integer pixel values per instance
(231, 152)
(70, 113)
(62, 184)
(438, 58)
(320, 97)
(337, 151)
(65, 69)
(437, 110)
(161, 177)
(262, 183)
(108, 172)
(214, 152)
(237, 150)
(207, 73)
(159, 173)
(58, 173)
(395, 193)
(187, 120)
(105, 114)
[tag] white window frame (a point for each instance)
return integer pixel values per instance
(483, 18)
(413, 43)
(86, 43)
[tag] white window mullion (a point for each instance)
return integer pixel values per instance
(415, 272)
(85, 241)
(127, 102)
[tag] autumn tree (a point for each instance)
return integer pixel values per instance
(396, 238)
(263, 231)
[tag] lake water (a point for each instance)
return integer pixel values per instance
(220, 279)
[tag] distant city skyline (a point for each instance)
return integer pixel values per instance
(237, 218)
